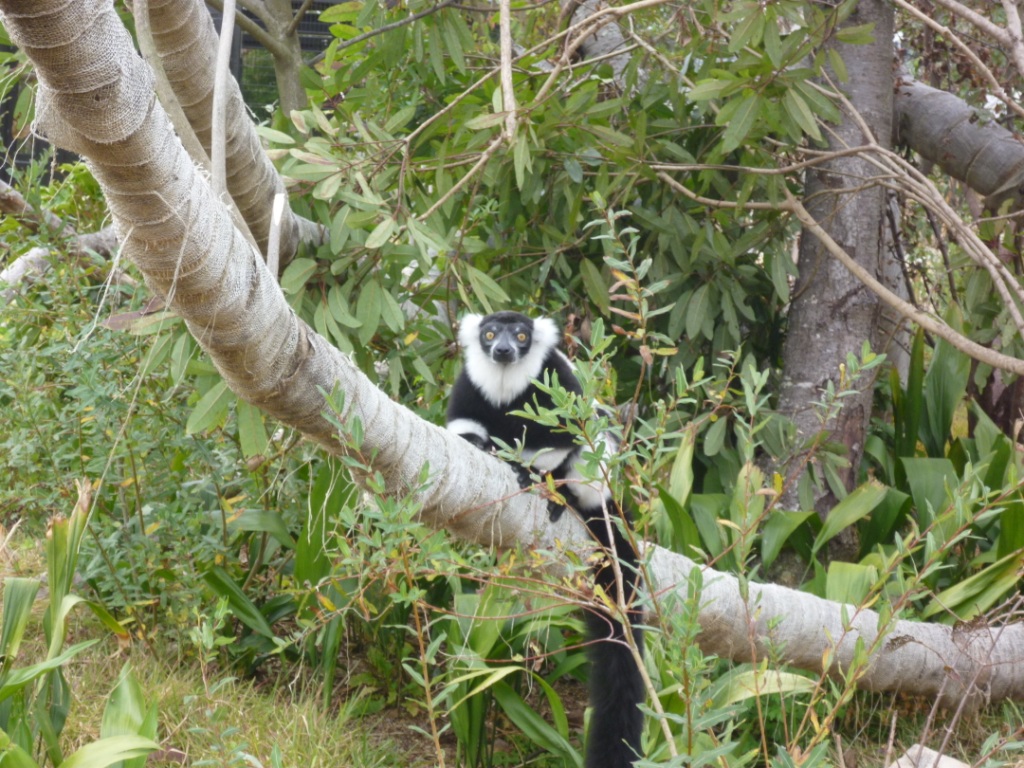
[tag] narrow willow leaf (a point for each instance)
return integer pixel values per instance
(742, 122)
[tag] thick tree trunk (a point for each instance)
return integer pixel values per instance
(832, 312)
(965, 143)
(96, 98)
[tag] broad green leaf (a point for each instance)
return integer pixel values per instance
(535, 727)
(521, 159)
(849, 582)
(19, 596)
(705, 90)
(743, 683)
(241, 606)
(100, 754)
(368, 310)
(1011, 526)
(976, 594)
(264, 521)
(330, 491)
(126, 714)
(854, 507)
(777, 530)
(296, 274)
(944, 387)
(252, 436)
(684, 533)
(779, 272)
(931, 481)
(13, 756)
(18, 678)
(381, 233)
(714, 438)
(706, 510)
(835, 60)
(212, 409)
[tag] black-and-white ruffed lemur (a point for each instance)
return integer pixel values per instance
(506, 353)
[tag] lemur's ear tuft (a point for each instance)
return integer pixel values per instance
(469, 330)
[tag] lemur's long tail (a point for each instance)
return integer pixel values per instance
(616, 687)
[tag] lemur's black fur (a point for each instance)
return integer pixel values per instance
(505, 354)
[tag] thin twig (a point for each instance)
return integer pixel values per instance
(386, 28)
(508, 94)
(297, 18)
(218, 144)
(484, 157)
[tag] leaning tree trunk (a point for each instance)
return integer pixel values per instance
(96, 98)
(832, 312)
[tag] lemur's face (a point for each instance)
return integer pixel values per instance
(506, 340)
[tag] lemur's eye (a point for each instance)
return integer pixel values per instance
(489, 335)
(521, 336)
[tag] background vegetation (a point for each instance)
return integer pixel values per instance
(238, 564)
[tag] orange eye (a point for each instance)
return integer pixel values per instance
(489, 335)
(521, 337)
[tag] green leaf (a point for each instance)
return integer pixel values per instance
(945, 385)
(742, 683)
(296, 274)
(212, 409)
(705, 90)
(330, 492)
(854, 507)
(126, 713)
(859, 34)
(264, 521)
(835, 60)
(931, 481)
(13, 756)
(696, 310)
(486, 120)
(241, 606)
(797, 109)
(595, 285)
(741, 122)
(780, 273)
(777, 530)
(521, 159)
(533, 726)
(19, 678)
(368, 310)
(19, 596)
(976, 594)
(573, 169)
(100, 754)
(485, 288)
(251, 434)
(849, 583)
(714, 438)
(381, 233)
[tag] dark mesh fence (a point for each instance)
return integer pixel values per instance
(251, 65)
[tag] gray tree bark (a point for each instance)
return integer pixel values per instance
(832, 313)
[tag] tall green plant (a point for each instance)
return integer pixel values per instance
(34, 698)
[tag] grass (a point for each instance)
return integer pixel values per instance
(222, 721)
(206, 716)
